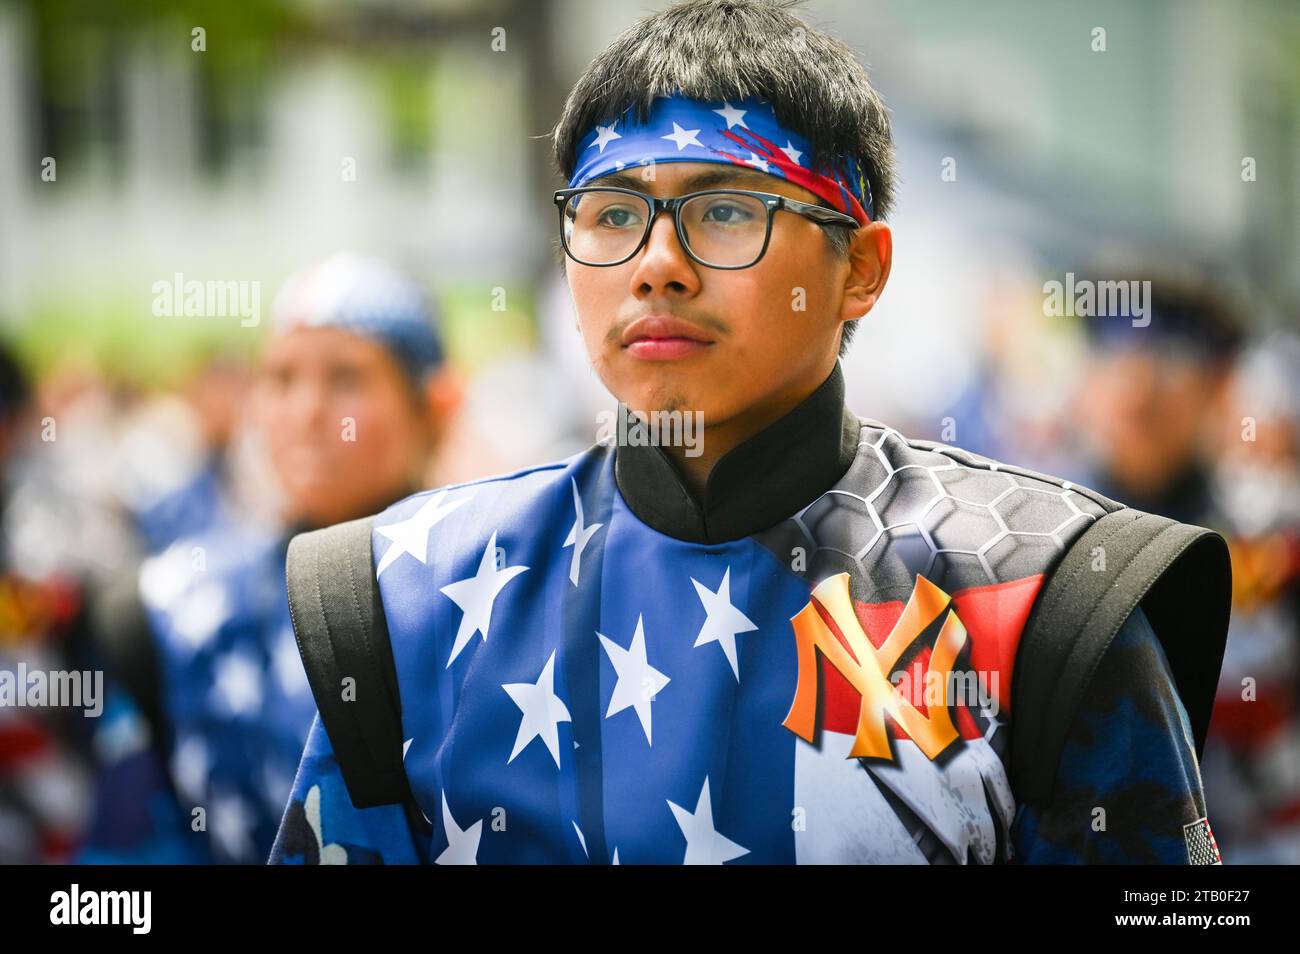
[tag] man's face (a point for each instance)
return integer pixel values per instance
(1146, 411)
(747, 339)
(342, 425)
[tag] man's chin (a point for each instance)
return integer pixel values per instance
(327, 511)
(317, 495)
(664, 400)
(668, 389)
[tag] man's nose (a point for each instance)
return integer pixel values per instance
(307, 404)
(663, 262)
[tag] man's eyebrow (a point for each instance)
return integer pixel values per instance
(701, 180)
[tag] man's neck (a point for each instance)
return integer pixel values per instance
(759, 468)
(718, 439)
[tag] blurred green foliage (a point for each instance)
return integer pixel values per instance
(118, 334)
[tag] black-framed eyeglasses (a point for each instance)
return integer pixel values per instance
(718, 228)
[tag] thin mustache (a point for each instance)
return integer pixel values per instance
(708, 323)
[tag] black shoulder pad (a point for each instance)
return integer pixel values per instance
(338, 620)
(1182, 577)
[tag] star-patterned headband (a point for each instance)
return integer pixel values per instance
(366, 297)
(680, 129)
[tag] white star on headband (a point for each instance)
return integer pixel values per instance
(604, 134)
(757, 161)
(792, 152)
(732, 115)
(683, 137)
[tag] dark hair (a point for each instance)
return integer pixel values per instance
(735, 49)
(1190, 303)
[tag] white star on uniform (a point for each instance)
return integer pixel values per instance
(704, 844)
(578, 535)
(412, 534)
(724, 621)
(462, 845)
(757, 161)
(543, 711)
(231, 822)
(732, 115)
(476, 594)
(683, 137)
(289, 671)
(605, 134)
(200, 613)
(166, 577)
(191, 763)
(238, 683)
(792, 152)
(638, 681)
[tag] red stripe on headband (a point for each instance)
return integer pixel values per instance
(832, 190)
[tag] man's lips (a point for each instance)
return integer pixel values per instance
(664, 337)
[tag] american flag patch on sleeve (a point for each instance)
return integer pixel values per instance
(1202, 849)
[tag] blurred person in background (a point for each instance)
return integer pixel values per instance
(1151, 393)
(351, 397)
(176, 457)
(80, 513)
(44, 780)
(1252, 757)
(1013, 407)
(1181, 417)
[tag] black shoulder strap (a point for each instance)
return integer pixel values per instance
(1181, 575)
(338, 619)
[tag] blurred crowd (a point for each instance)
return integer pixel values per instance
(1191, 410)
(144, 532)
(144, 536)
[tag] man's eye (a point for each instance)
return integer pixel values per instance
(618, 217)
(278, 378)
(345, 377)
(727, 213)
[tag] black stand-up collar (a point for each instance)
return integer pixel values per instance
(757, 484)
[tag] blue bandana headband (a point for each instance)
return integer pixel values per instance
(365, 297)
(680, 129)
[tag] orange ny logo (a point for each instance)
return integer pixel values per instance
(866, 667)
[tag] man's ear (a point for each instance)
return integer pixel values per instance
(871, 253)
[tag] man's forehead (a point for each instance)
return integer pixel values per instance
(688, 176)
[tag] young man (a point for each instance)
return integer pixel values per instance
(350, 397)
(792, 641)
